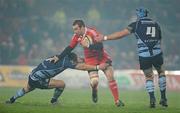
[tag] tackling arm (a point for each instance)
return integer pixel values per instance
(86, 67)
(55, 58)
(66, 51)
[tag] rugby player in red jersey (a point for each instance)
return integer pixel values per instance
(94, 54)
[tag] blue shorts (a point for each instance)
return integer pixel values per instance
(156, 61)
(41, 84)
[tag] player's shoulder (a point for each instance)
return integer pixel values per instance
(92, 31)
(148, 20)
(156, 22)
(91, 28)
(132, 24)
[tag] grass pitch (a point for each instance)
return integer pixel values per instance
(79, 101)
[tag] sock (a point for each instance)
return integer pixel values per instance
(19, 93)
(162, 86)
(114, 90)
(57, 92)
(150, 88)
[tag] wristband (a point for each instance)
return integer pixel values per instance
(105, 38)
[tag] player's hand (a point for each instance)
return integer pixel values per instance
(84, 43)
(103, 66)
(53, 59)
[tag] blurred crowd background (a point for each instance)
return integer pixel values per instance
(31, 30)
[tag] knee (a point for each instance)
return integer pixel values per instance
(109, 73)
(94, 81)
(149, 75)
(94, 78)
(26, 89)
(110, 78)
(161, 73)
(161, 70)
(61, 84)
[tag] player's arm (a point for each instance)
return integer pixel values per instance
(117, 35)
(65, 52)
(86, 67)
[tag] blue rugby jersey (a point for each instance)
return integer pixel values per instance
(148, 35)
(47, 69)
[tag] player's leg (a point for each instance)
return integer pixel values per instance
(150, 86)
(59, 86)
(94, 80)
(162, 86)
(20, 93)
(146, 66)
(109, 72)
(158, 64)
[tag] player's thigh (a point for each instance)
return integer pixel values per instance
(145, 63)
(56, 84)
(158, 64)
(93, 74)
(29, 86)
(109, 73)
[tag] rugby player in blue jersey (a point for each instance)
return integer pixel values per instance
(41, 76)
(148, 35)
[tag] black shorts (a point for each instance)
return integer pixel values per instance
(41, 84)
(146, 63)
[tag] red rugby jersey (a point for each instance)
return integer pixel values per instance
(89, 54)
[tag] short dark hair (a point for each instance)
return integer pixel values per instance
(80, 23)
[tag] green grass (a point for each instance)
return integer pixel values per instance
(79, 101)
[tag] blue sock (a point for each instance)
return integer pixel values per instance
(150, 88)
(19, 93)
(162, 86)
(57, 92)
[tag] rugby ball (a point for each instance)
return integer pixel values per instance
(87, 40)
